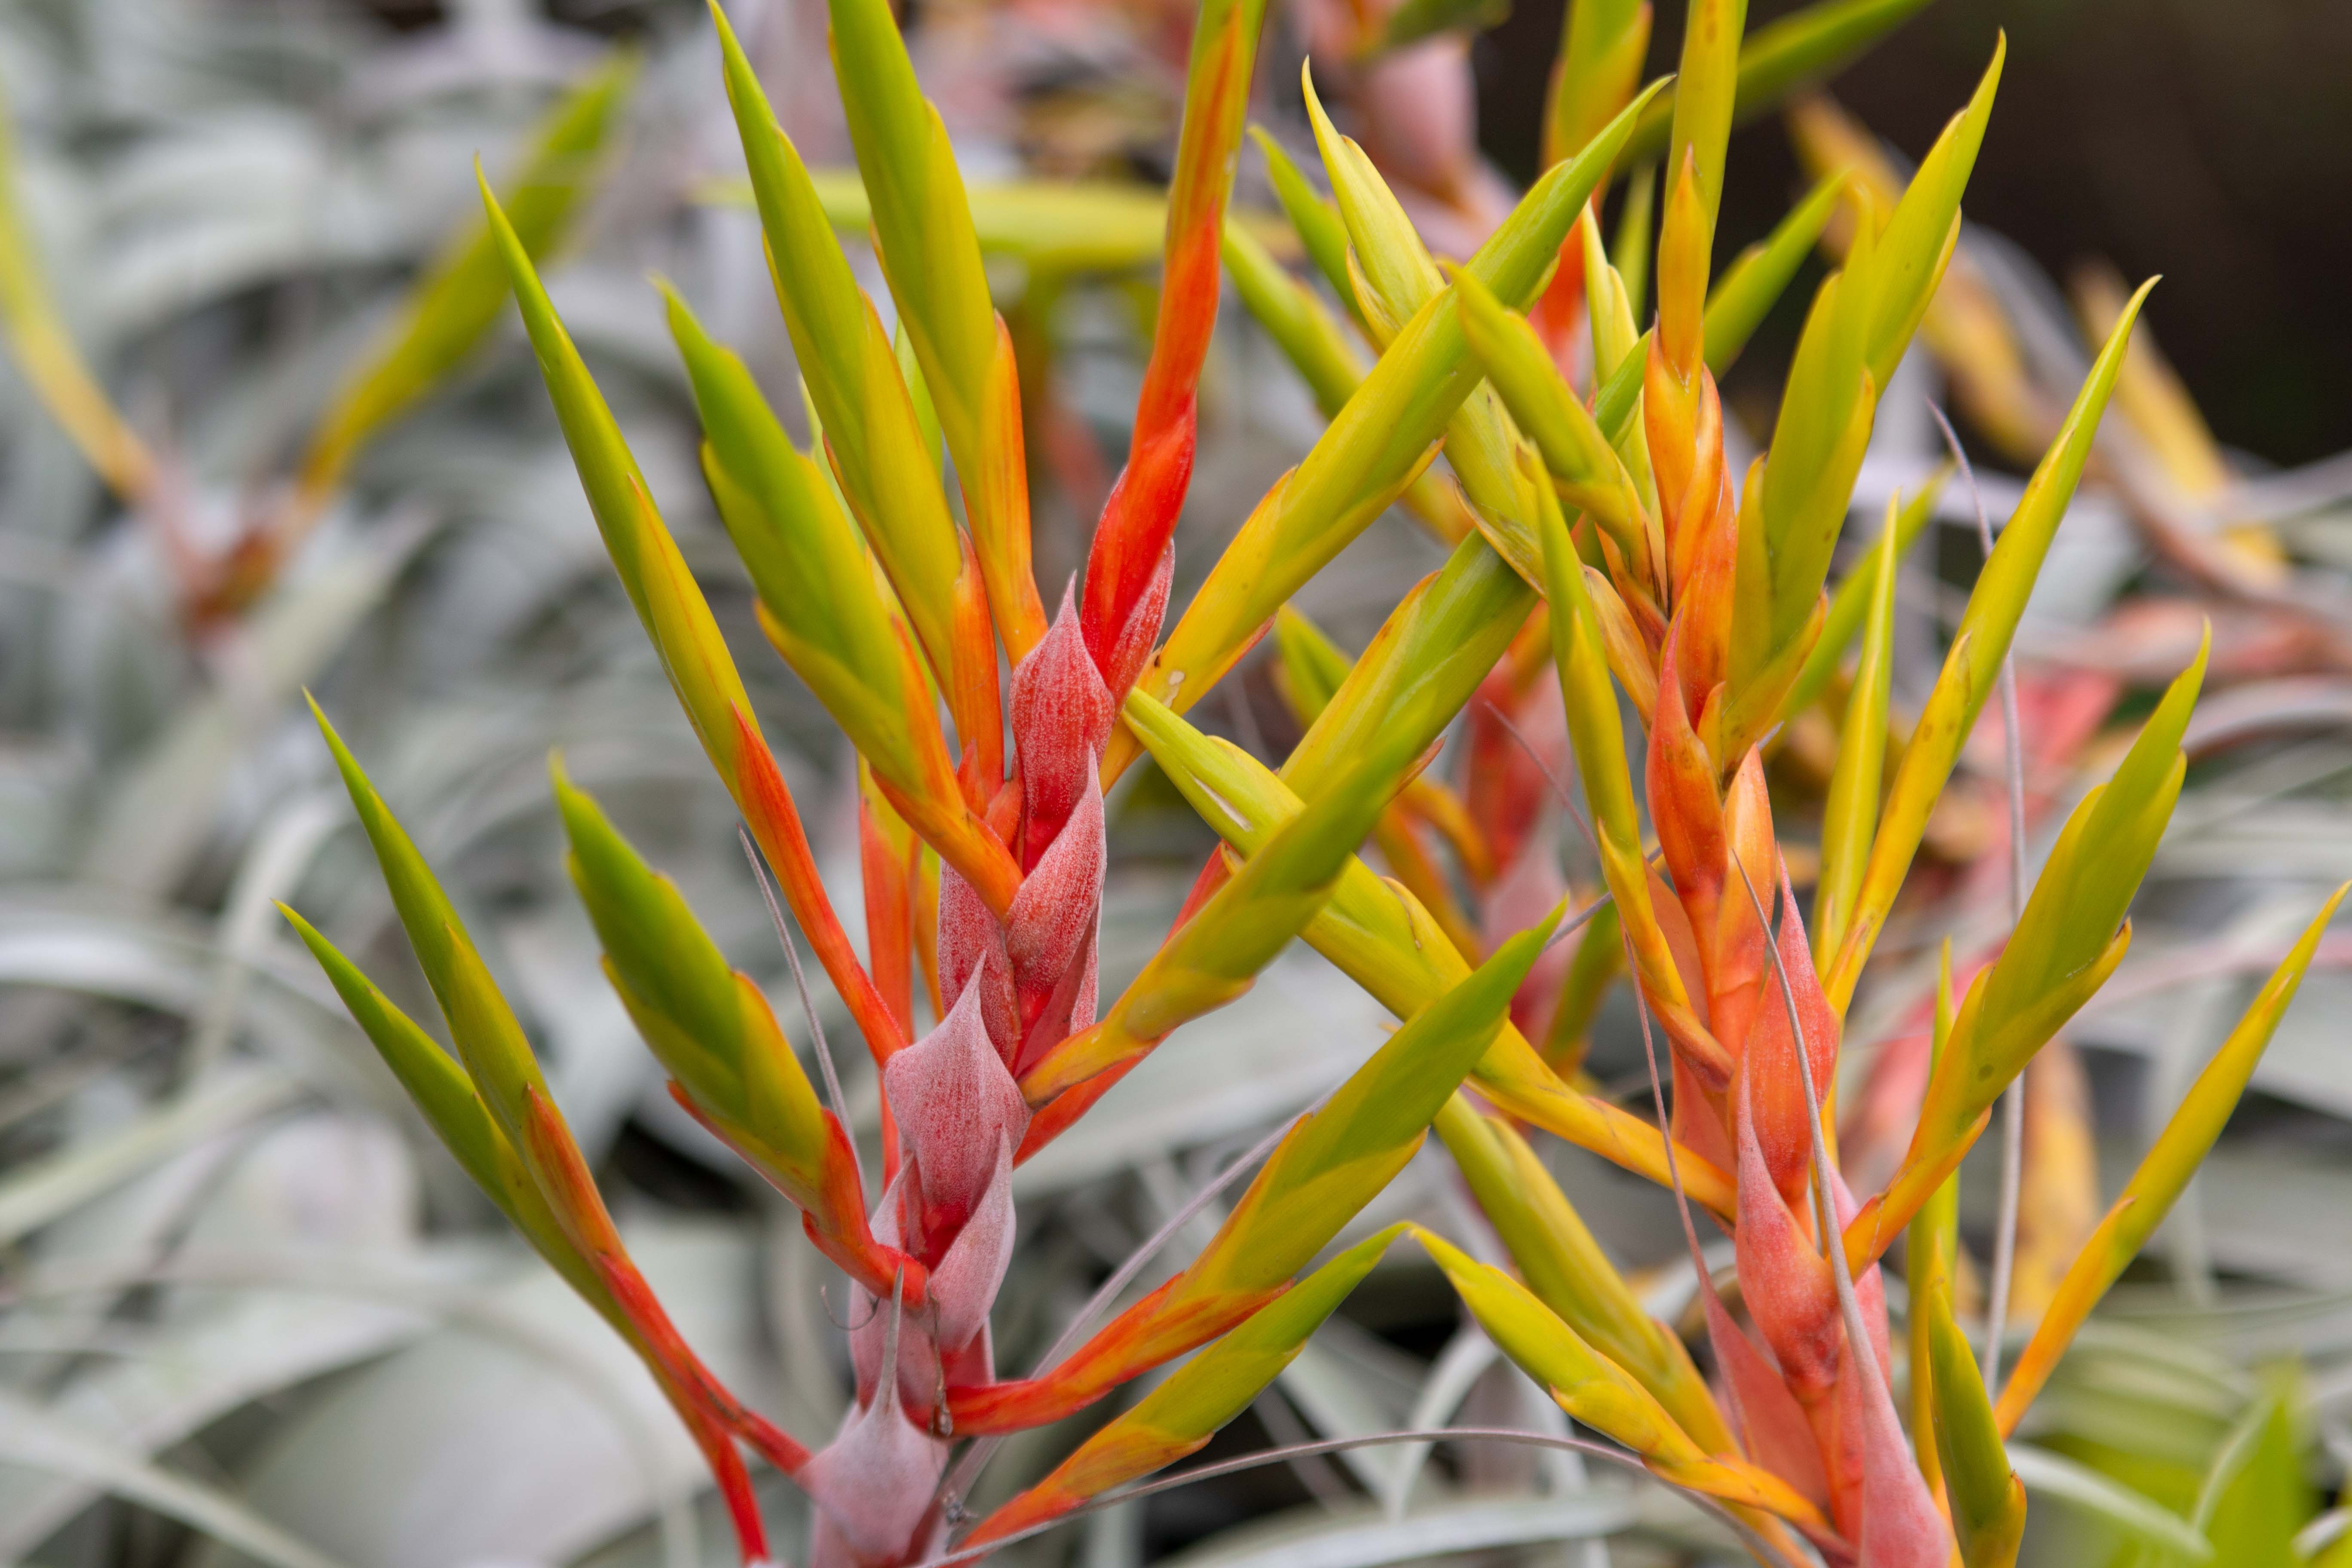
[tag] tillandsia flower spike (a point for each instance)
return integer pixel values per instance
(1605, 564)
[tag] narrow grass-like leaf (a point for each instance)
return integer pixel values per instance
(1849, 605)
(1423, 666)
(1313, 339)
(2070, 937)
(1184, 1411)
(454, 305)
(2154, 1187)
(47, 356)
(678, 621)
(1378, 935)
(1568, 1271)
(1931, 1255)
(1978, 648)
(1601, 46)
(1760, 274)
(1704, 89)
(1601, 1393)
(1987, 1498)
(1806, 46)
(1378, 442)
(1313, 217)
(1850, 815)
(820, 604)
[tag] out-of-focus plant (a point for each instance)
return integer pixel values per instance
(1609, 529)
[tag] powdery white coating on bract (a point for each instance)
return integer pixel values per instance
(1743, 981)
(971, 954)
(964, 1282)
(1783, 1111)
(955, 1103)
(1061, 721)
(949, 1345)
(1772, 1425)
(873, 1486)
(1050, 937)
(1787, 1285)
(1123, 654)
(1901, 1525)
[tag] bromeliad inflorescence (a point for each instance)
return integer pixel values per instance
(1603, 550)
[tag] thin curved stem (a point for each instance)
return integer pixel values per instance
(2012, 1102)
(1762, 1550)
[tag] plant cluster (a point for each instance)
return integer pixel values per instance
(1610, 576)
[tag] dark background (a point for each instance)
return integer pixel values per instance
(2209, 141)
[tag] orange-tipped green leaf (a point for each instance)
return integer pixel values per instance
(1568, 1271)
(454, 305)
(1378, 935)
(497, 1057)
(2150, 1193)
(438, 1087)
(1216, 955)
(930, 250)
(1978, 648)
(871, 426)
(1187, 1409)
(1601, 1393)
(711, 1027)
(1378, 442)
(821, 605)
(1850, 815)
(678, 621)
(1334, 1161)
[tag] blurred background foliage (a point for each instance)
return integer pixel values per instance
(249, 1314)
